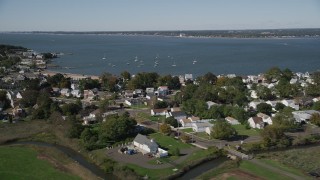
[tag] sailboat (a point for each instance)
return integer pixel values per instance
(104, 57)
(174, 64)
(194, 61)
(136, 59)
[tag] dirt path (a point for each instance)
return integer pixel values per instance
(293, 176)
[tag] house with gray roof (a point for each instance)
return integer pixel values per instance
(145, 145)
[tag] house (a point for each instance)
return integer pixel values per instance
(208, 130)
(150, 90)
(254, 104)
(303, 116)
(92, 118)
(148, 146)
(65, 92)
(188, 77)
(163, 90)
(265, 118)
(145, 145)
(134, 102)
(74, 86)
(88, 95)
(177, 115)
(210, 103)
(55, 91)
(201, 126)
(232, 120)
(194, 119)
(185, 122)
(253, 94)
(273, 103)
(316, 99)
(256, 122)
(76, 93)
(290, 103)
(175, 109)
(159, 112)
(128, 94)
(138, 92)
(13, 97)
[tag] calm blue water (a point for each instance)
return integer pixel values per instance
(219, 56)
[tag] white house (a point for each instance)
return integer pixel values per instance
(200, 126)
(145, 145)
(303, 116)
(256, 122)
(65, 92)
(253, 94)
(92, 118)
(232, 120)
(76, 93)
(177, 115)
(265, 118)
(254, 104)
(316, 99)
(185, 122)
(150, 90)
(210, 103)
(163, 90)
(290, 103)
(159, 112)
(208, 130)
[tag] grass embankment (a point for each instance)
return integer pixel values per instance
(30, 163)
(169, 142)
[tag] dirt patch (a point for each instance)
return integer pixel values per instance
(241, 175)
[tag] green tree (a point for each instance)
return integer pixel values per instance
(272, 74)
(316, 106)
(175, 152)
(315, 119)
(264, 93)
(264, 108)
(274, 136)
(171, 121)
(160, 105)
(117, 128)
(165, 129)
(222, 130)
(279, 106)
(29, 98)
(76, 127)
(284, 119)
(109, 82)
(4, 101)
(144, 80)
(70, 109)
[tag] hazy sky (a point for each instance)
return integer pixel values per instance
(126, 15)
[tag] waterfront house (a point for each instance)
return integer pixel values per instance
(256, 122)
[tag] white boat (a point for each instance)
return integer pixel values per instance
(194, 61)
(104, 57)
(136, 59)
(174, 64)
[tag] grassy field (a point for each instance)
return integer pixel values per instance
(169, 142)
(241, 129)
(24, 163)
(307, 159)
(259, 171)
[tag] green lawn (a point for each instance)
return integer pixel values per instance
(283, 167)
(261, 171)
(188, 130)
(241, 129)
(22, 163)
(169, 142)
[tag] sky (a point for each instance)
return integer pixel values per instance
(140, 15)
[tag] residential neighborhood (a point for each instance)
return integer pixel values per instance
(134, 115)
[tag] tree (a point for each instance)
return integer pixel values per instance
(185, 138)
(315, 119)
(287, 90)
(29, 98)
(160, 105)
(264, 108)
(89, 84)
(274, 136)
(70, 109)
(144, 80)
(171, 121)
(4, 101)
(279, 106)
(109, 82)
(272, 74)
(117, 128)
(284, 119)
(316, 77)
(76, 127)
(264, 93)
(316, 106)
(165, 129)
(125, 75)
(207, 78)
(222, 130)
